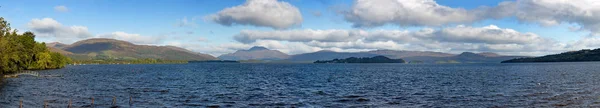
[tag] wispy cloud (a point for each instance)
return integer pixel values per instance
(61, 9)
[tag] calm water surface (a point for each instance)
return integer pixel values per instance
(311, 85)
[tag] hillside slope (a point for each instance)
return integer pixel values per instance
(572, 56)
(465, 57)
(101, 48)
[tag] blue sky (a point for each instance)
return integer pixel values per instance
(163, 21)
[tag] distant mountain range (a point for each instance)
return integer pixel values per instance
(572, 56)
(262, 53)
(101, 48)
(465, 57)
(327, 55)
(403, 54)
(255, 53)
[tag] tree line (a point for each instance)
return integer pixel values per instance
(571, 56)
(21, 52)
(376, 59)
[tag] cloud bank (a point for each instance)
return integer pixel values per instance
(445, 29)
(51, 27)
(372, 13)
(450, 39)
(265, 13)
(585, 13)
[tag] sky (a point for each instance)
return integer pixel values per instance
(509, 27)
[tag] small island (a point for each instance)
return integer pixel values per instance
(572, 56)
(376, 59)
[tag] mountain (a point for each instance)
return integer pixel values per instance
(572, 56)
(52, 49)
(403, 54)
(376, 59)
(57, 45)
(465, 57)
(489, 54)
(328, 55)
(101, 48)
(409, 56)
(255, 53)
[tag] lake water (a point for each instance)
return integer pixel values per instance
(311, 85)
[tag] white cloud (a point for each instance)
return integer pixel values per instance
(51, 28)
(360, 44)
(61, 9)
(224, 48)
(460, 34)
(586, 43)
(371, 13)
(249, 36)
(214, 49)
(585, 13)
(267, 13)
(451, 39)
(489, 34)
(134, 38)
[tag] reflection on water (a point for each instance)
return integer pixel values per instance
(306, 85)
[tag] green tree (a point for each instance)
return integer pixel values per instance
(58, 60)
(21, 51)
(44, 60)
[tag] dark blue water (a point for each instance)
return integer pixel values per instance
(311, 85)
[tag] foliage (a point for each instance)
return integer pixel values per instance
(21, 51)
(572, 56)
(376, 59)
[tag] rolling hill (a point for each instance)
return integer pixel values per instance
(465, 57)
(572, 56)
(101, 48)
(57, 45)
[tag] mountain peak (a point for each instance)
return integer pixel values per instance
(255, 53)
(100, 48)
(56, 45)
(257, 48)
(468, 54)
